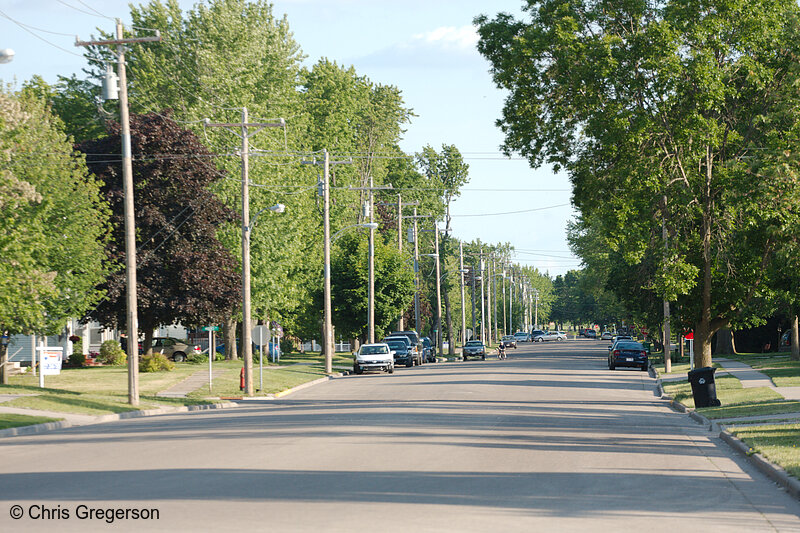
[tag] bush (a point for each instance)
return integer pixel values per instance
(157, 362)
(77, 359)
(77, 344)
(197, 358)
(287, 345)
(111, 353)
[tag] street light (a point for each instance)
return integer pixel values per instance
(6, 55)
(368, 225)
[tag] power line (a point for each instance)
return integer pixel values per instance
(95, 14)
(512, 212)
(93, 9)
(24, 27)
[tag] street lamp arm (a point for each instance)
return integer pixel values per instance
(368, 225)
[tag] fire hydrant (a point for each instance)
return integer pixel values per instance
(241, 379)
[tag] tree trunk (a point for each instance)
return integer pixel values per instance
(795, 340)
(703, 332)
(147, 342)
(3, 364)
(229, 338)
(725, 343)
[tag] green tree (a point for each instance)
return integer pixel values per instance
(184, 274)
(53, 222)
(394, 286)
(663, 110)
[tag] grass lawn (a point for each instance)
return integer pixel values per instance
(96, 390)
(776, 442)
(778, 366)
(8, 420)
(736, 401)
(276, 378)
(677, 368)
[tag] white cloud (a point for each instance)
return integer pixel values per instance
(444, 47)
(465, 37)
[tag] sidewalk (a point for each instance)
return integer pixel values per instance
(190, 384)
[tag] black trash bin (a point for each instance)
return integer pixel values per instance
(704, 390)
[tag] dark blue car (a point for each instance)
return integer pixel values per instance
(402, 355)
(627, 353)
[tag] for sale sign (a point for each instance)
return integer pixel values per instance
(50, 360)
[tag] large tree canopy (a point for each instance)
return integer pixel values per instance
(53, 222)
(184, 273)
(668, 113)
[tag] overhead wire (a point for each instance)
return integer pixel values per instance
(25, 28)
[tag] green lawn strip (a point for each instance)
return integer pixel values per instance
(677, 368)
(8, 420)
(276, 379)
(778, 443)
(98, 390)
(736, 400)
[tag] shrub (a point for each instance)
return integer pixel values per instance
(157, 362)
(77, 359)
(111, 353)
(287, 345)
(77, 344)
(197, 358)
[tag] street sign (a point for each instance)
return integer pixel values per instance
(260, 335)
(689, 336)
(211, 328)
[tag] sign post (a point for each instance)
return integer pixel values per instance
(259, 332)
(690, 337)
(211, 350)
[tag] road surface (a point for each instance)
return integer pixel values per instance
(546, 440)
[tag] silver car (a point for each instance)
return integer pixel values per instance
(552, 336)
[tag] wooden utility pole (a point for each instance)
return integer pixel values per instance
(129, 213)
(242, 130)
(439, 336)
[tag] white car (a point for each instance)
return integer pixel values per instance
(552, 336)
(607, 336)
(376, 356)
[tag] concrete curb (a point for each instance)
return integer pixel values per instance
(774, 472)
(286, 392)
(102, 419)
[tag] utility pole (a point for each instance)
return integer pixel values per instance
(472, 275)
(439, 336)
(536, 316)
(371, 288)
(667, 332)
(415, 237)
(325, 189)
(132, 311)
(483, 300)
(511, 302)
(400, 204)
(494, 285)
(489, 303)
(463, 305)
(505, 322)
(242, 131)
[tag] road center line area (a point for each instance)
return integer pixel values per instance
(547, 440)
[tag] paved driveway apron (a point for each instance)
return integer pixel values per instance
(546, 440)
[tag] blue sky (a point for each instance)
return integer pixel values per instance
(424, 47)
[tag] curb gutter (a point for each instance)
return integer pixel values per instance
(51, 426)
(774, 472)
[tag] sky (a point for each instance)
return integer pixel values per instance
(427, 48)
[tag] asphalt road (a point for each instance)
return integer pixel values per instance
(546, 440)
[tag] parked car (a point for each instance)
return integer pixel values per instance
(552, 336)
(607, 336)
(428, 353)
(416, 342)
(378, 356)
(473, 349)
(522, 336)
(622, 338)
(590, 334)
(403, 352)
(627, 353)
(174, 349)
(535, 334)
(509, 341)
